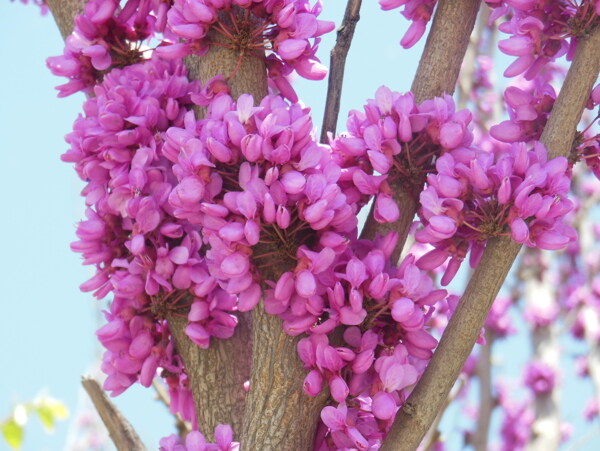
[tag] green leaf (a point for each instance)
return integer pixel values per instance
(13, 433)
(49, 410)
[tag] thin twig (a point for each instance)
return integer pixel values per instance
(337, 65)
(121, 432)
(419, 411)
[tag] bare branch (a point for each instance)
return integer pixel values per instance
(437, 73)
(456, 344)
(121, 432)
(420, 409)
(337, 66)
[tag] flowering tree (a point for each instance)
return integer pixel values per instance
(227, 236)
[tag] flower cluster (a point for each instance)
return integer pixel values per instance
(104, 37)
(543, 31)
(195, 441)
(528, 112)
(287, 28)
(395, 141)
(540, 377)
(419, 12)
(476, 195)
(384, 354)
(141, 253)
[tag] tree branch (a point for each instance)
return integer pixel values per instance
(121, 432)
(558, 136)
(420, 409)
(437, 73)
(337, 65)
(64, 12)
(218, 374)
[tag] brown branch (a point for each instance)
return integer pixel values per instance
(64, 12)
(456, 344)
(218, 374)
(337, 65)
(434, 435)
(437, 73)
(279, 415)
(558, 136)
(121, 432)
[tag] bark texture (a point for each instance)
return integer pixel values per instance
(279, 415)
(64, 12)
(216, 374)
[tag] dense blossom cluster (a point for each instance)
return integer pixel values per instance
(543, 31)
(140, 252)
(477, 195)
(104, 37)
(288, 29)
(395, 141)
(204, 217)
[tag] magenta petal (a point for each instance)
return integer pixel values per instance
(141, 345)
(306, 284)
(339, 389)
(383, 405)
(223, 436)
(386, 209)
(291, 48)
(248, 299)
(313, 383)
(148, 370)
(235, 264)
(333, 418)
(519, 230)
(195, 441)
(402, 308)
